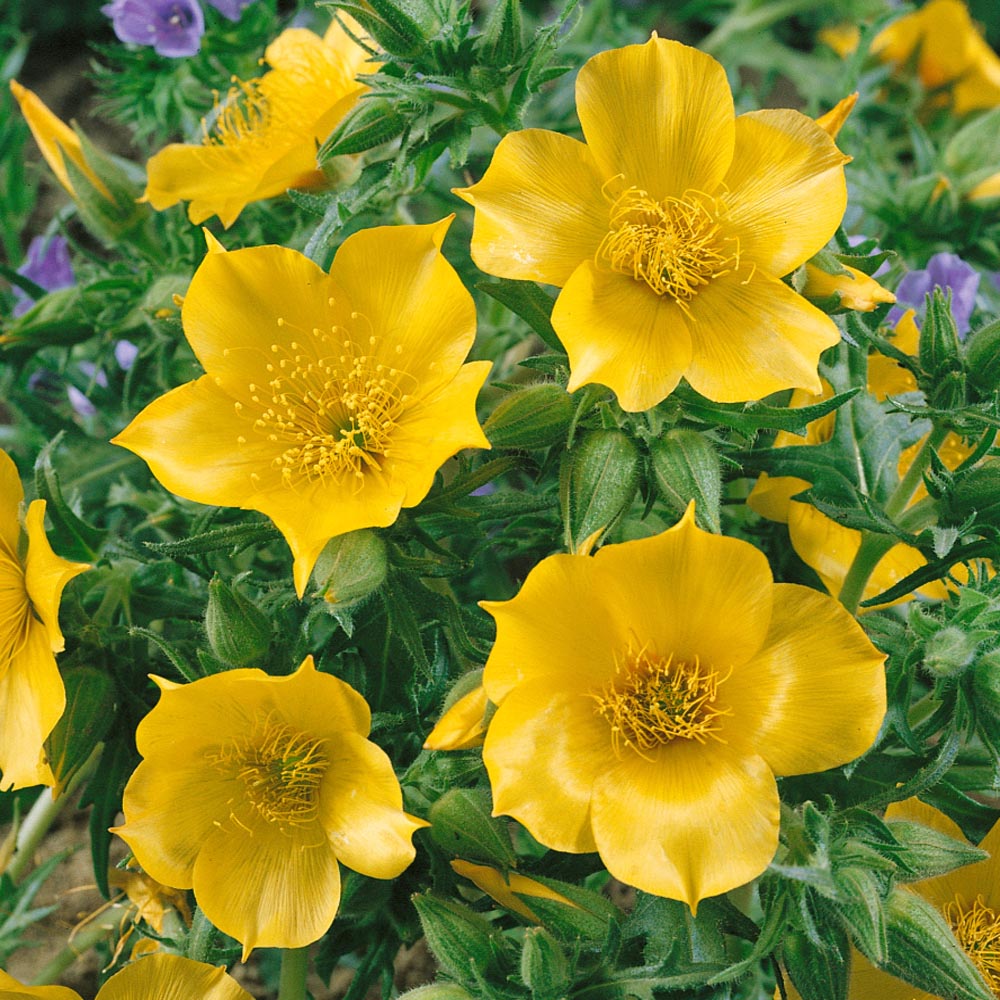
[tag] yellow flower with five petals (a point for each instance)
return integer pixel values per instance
(252, 789)
(668, 230)
(329, 400)
(265, 132)
(649, 695)
(32, 578)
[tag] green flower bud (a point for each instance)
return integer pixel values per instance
(581, 914)
(940, 357)
(544, 966)
(239, 633)
(927, 853)
(535, 417)
(461, 940)
(818, 973)
(500, 42)
(686, 467)
(389, 24)
(597, 483)
(982, 359)
(986, 685)
(975, 491)
(351, 567)
(462, 823)
(90, 710)
(436, 991)
(56, 318)
(949, 651)
(369, 123)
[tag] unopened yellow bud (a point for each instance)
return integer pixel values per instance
(855, 289)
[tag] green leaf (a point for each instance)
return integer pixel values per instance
(527, 300)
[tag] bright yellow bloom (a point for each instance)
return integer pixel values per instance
(505, 887)
(463, 724)
(329, 401)
(32, 697)
(950, 52)
(56, 140)
(649, 695)
(856, 289)
(264, 136)
(159, 975)
(669, 230)
(843, 38)
(832, 121)
(250, 791)
(819, 541)
(986, 190)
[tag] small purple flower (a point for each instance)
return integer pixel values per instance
(47, 264)
(945, 271)
(173, 27)
(125, 354)
(230, 8)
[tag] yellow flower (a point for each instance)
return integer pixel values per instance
(463, 724)
(843, 38)
(819, 541)
(986, 190)
(949, 50)
(505, 887)
(329, 401)
(264, 135)
(250, 791)
(159, 975)
(856, 290)
(669, 230)
(56, 140)
(32, 697)
(968, 898)
(649, 695)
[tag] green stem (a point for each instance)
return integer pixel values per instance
(42, 815)
(872, 549)
(294, 966)
(903, 493)
(98, 930)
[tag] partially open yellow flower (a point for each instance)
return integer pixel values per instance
(252, 789)
(329, 400)
(855, 289)
(264, 135)
(463, 725)
(158, 976)
(508, 888)
(950, 51)
(32, 578)
(669, 230)
(649, 695)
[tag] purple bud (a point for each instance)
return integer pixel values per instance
(83, 406)
(125, 354)
(173, 27)
(946, 271)
(47, 264)
(230, 8)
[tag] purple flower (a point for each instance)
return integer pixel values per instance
(230, 8)
(47, 265)
(125, 354)
(947, 272)
(172, 27)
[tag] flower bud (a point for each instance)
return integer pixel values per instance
(847, 288)
(56, 318)
(392, 27)
(351, 567)
(818, 973)
(597, 483)
(939, 350)
(461, 940)
(462, 823)
(949, 651)
(500, 42)
(537, 416)
(462, 725)
(369, 123)
(986, 685)
(239, 633)
(975, 492)
(686, 467)
(927, 853)
(89, 712)
(982, 359)
(436, 991)
(544, 966)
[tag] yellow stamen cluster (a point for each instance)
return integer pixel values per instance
(653, 700)
(280, 771)
(15, 608)
(241, 117)
(675, 245)
(977, 928)
(334, 413)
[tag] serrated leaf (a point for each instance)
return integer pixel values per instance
(527, 300)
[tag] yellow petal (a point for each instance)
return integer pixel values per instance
(660, 114)
(695, 822)
(752, 339)
(771, 496)
(619, 333)
(32, 699)
(168, 976)
(274, 889)
(833, 121)
(814, 696)
(55, 139)
(787, 192)
(503, 886)
(361, 808)
(540, 210)
(463, 725)
(11, 497)
(544, 749)
(986, 190)
(11, 989)
(46, 574)
(856, 289)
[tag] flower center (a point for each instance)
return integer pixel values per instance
(15, 609)
(241, 117)
(332, 414)
(280, 770)
(653, 701)
(977, 928)
(675, 245)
